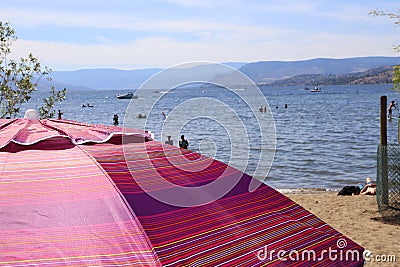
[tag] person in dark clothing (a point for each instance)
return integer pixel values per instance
(391, 106)
(115, 119)
(183, 143)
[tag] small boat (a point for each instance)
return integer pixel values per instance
(316, 89)
(141, 116)
(129, 95)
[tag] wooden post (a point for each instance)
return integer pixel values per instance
(384, 156)
(383, 120)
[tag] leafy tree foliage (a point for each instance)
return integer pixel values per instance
(396, 78)
(48, 111)
(19, 79)
(396, 18)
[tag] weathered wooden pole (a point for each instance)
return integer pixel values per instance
(383, 120)
(383, 154)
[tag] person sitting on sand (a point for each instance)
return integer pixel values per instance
(369, 188)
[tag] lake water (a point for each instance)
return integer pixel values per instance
(323, 140)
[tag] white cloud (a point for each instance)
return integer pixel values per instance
(285, 6)
(202, 30)
(199, 38)
(165, 52)
(104, 39)
(106, 21)
(189, 3)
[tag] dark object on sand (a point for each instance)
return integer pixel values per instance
(349, 191)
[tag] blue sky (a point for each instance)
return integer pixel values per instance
(69, 35)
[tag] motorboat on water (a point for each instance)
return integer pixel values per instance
(316, 89)
(88, 105)
(129, 95)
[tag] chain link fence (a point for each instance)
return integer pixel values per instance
(388, 180)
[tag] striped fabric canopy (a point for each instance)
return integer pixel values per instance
(71, 194)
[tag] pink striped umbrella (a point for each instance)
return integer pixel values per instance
(74, 194)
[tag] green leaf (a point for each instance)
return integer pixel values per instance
(18, 79)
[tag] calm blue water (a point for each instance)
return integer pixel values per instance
(324, 140)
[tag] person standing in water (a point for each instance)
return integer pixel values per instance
(183, 143)
(115, 119)
(392, 105)
(169, 141)
(60, 114)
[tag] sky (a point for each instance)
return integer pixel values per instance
(124, 34)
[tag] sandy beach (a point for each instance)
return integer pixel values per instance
(358, 218)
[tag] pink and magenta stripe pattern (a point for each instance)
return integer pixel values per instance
(227, 232)
(58, 207)
(71, 195)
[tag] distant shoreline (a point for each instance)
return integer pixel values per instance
(317, 71)
(381, 75)
(305, 190)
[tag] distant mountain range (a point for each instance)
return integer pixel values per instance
(307, 72)
(270, 71)
(103, 78)
(373, 76)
